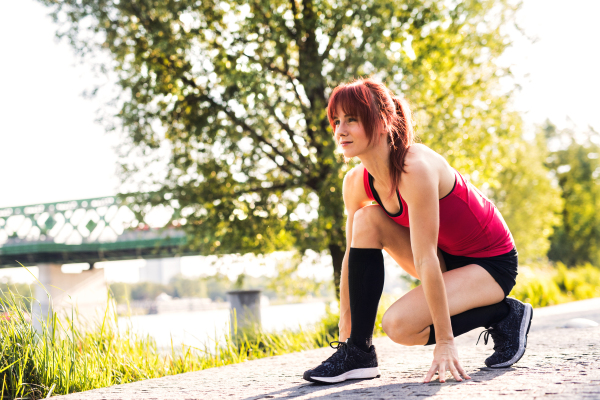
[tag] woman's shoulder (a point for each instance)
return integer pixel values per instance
(426, 168)
(420, 159)
(420, 151)
(355, 172)
(354, 177)
(354, 191)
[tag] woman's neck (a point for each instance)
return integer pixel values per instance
(377, 161)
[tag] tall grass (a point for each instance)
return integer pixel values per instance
(67, 355)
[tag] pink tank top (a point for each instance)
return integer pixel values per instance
(470, 224)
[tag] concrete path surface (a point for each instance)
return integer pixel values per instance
(559, 363)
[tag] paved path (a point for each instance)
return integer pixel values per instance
(559, 364)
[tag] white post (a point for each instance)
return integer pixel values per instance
(61, 292)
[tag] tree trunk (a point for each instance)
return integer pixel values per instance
(337, 256)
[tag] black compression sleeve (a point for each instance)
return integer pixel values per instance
(365, 284)
(481, 317)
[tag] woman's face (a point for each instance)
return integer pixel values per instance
(350, 135)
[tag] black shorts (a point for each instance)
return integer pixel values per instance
(503, 268)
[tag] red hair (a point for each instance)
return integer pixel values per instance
(376, 105)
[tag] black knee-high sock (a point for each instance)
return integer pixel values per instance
(365, 284)
(481, 317)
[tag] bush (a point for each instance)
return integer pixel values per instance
(539, 289)
(544, 285)
(579, 283)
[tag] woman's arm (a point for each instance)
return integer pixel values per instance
(355, 198)
(419, 187)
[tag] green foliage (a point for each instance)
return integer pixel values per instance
(236, 93)
(22, 289)
(185, 287)
(68, 355)
(384, 303)
(287, 280)
(285, 284)
(576, 165)
(147, 290)
(239, 282)
(526, 196)
(539, 288)
(215, 287)
(121, 292)
(545, 285)
(579, 283)
(329, 323)
(412, 282)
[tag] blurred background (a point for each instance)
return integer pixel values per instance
(216, 113)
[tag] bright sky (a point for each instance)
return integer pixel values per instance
(559, 72)
(51, 149)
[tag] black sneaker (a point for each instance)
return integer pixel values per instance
(509, 335)
(348, 362)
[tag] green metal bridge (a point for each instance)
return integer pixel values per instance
(88, 230)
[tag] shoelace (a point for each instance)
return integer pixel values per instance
(486, 336)
(343, 346)
(339, 344)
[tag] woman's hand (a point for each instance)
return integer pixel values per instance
(445, 357)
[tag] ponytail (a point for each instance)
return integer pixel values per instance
(401, 136)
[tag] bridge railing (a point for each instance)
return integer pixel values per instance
(89, 229)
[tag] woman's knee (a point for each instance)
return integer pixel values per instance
(366, 227)
(398, 328)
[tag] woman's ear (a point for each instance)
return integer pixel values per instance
(383, 132)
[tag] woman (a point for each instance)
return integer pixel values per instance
(456, 243)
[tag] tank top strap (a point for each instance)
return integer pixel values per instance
(367, 186)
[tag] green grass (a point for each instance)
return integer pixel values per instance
(68, 355)
(544, 285)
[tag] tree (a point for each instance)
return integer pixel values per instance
(237, 93)
(576, 165)
(188, 287)
(527, 197)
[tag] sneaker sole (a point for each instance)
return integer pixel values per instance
(360, 373)
(525, 325)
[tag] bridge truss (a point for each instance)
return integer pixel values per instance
(88, 230)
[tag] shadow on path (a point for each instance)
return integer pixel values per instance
(403, 389)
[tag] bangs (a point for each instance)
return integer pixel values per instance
(357, 100)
